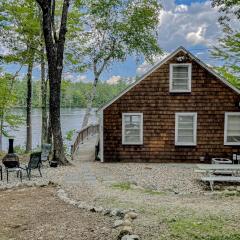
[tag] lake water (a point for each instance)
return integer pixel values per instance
(71, 118)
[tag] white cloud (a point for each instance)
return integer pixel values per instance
(197, 37)
(145, 66)
(75, 78)
(188, 25)
(113, 80)
(181, 8)
(81, 78)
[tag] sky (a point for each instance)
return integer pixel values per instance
(189, 23)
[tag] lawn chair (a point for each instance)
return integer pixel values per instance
(46, 149)
(34, 163)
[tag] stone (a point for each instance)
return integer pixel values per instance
(127, 222)
(238, 188)
(90, 208)
(131, 215)
(95, 209)
(41, 185)
(72, 202)
(126, 230)
(118, 223)
(98, 209)
(106, 212)
(116, 212)
(130, 237)
(82, 205)
(51, 183)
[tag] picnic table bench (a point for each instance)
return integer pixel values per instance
(210, 169)
(212, 179)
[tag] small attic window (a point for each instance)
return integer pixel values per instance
(180, 77)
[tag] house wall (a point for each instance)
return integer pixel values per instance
(209, 97)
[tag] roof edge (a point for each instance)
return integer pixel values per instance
(160, 63)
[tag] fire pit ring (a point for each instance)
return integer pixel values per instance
(221, 161)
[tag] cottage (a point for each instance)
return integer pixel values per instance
(179, 111)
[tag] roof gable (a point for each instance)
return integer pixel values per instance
(159, 64)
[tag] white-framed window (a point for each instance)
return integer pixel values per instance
(186, 129)
(232, 128)
(132, 128)
(180, 77)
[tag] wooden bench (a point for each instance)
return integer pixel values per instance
(210, 172)
(212, 179)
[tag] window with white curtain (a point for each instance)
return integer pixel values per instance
(232, 128)
(186, 129)
(180, 77)
(132, 128)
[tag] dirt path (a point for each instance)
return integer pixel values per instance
(36, 213)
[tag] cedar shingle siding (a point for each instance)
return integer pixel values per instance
(209, 97)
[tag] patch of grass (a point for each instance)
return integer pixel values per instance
(122, 186)
(153, 192)
(231, 193)
(209, 228)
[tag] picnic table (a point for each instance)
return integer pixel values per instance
(219, 166)
(210, 169)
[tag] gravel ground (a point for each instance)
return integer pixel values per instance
(35, 213)
(159, 192)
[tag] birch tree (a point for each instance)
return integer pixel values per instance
(112, 31)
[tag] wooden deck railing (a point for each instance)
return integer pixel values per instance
(84, 134)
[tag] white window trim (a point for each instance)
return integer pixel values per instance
(225, 128)
(189, 65)
(141, 128)
(194, 143)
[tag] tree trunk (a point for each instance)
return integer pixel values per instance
(49, 133)
(44, 99)
(55, 116)
(29, 105)
(55, 50)
(90, 103)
